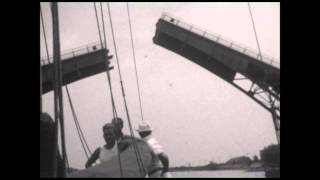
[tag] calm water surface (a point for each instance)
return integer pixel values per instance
(220, 173)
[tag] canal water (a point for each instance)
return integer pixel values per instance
(219, 173)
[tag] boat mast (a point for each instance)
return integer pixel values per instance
(58, 101)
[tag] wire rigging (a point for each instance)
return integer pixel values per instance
(41, 88)
(58, 95)
(137, 81)
(99, 32)
(140, 163)
(44, 34)
(114, 112)
(134, 59)
(255, 32)
(104, 34)
(84, 143)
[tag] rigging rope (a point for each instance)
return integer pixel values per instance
(47, 51)
(44, 34)
(115, 115)
(114, 112)
(79, 130)
(134, 60)
(137, 81)
(272, 111)
(95, 10)
(104, 34)
(41, 19)
(139, 161)
(255, 32)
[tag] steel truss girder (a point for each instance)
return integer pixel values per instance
(271, 102)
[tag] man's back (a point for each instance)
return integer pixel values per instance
(154, 144)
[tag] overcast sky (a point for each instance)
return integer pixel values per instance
(197, 116)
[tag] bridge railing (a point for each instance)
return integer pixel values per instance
(67, 54)
(221, 40)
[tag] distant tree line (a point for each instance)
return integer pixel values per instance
(270, 155)
(241, 162)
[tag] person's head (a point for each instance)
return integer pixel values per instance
(144, 129)
(109, 133)
(145, 133)
(118, 124)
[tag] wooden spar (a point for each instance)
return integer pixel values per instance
(58, 86)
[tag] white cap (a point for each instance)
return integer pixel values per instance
(144, 126)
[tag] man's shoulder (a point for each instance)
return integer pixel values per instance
(155, 145)
(153, 140)
(129, 138)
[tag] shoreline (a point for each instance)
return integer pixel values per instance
(242, 169)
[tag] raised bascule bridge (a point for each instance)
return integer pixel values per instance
(225, 59)
(78, 63)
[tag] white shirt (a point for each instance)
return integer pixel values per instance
(106, 154)
(157, 149)
(154, 144)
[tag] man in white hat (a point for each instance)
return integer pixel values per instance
(145, 132)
